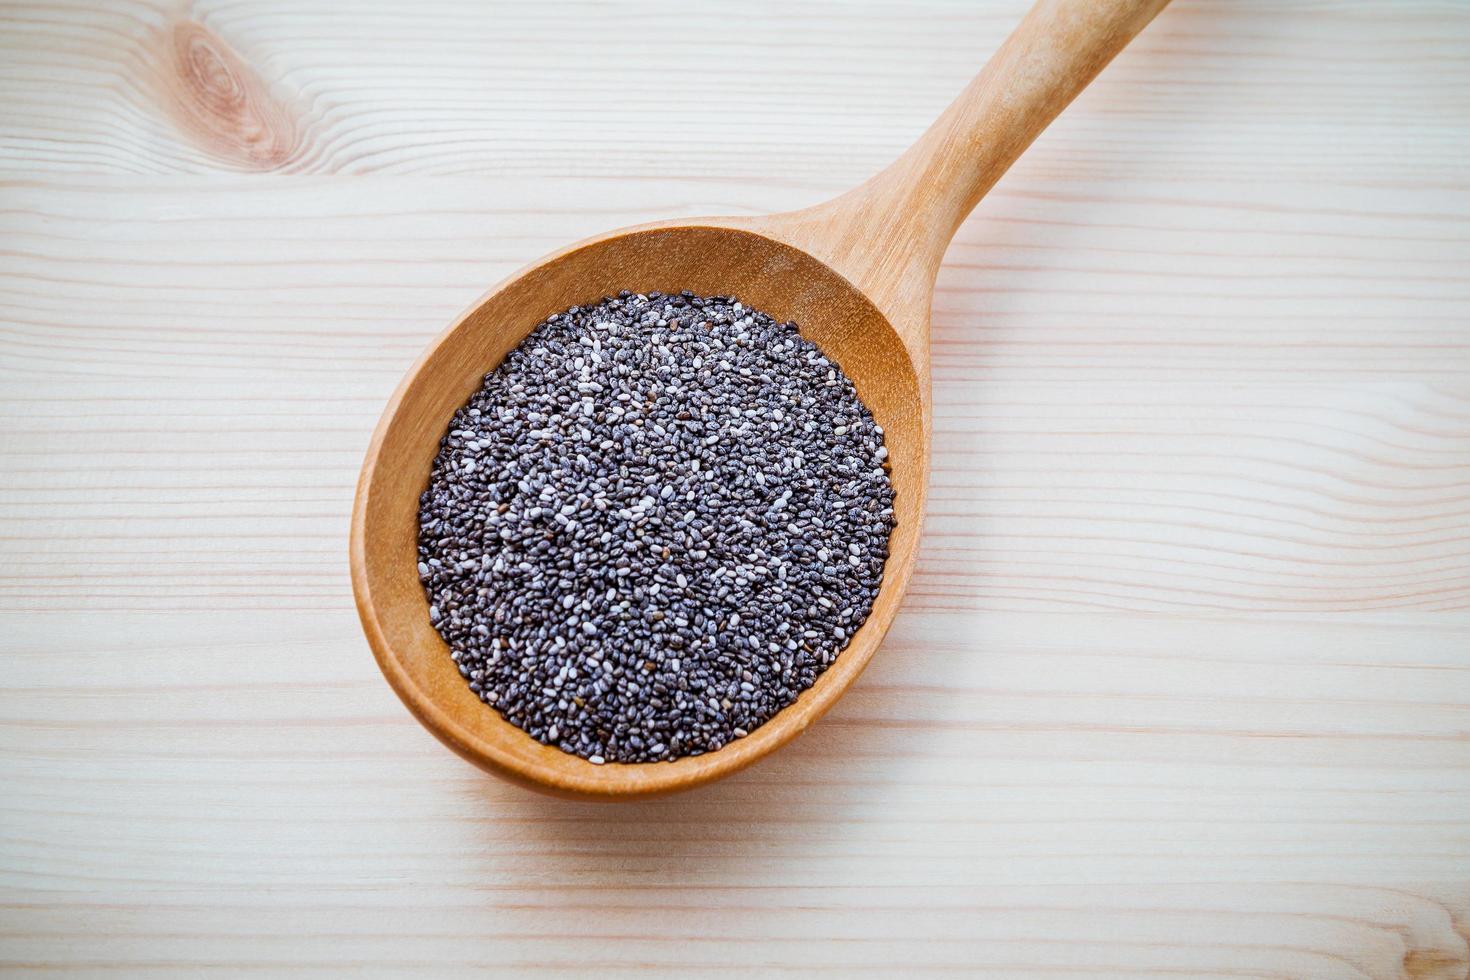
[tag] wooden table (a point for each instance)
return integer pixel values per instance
(1183, 686)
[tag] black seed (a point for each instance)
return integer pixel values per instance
(633, 528)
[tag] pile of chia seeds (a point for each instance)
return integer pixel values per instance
(658, 521)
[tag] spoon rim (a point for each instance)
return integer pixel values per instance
(573, 775)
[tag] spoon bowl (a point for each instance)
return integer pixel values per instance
(855, 274)
(707, 259)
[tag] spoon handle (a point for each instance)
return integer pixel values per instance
(1050, 57)
(888, 235)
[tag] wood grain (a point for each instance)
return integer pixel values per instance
(1183, 682)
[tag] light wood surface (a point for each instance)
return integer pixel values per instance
(1182, 685)
(857, 273)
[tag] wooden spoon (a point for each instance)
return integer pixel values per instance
(856, 273)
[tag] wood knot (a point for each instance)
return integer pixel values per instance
(1421, 964)
(223, 105)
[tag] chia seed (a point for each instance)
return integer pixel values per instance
(627, 537)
